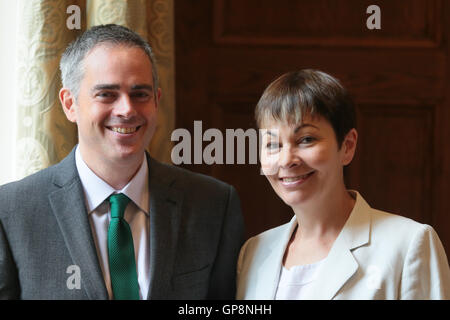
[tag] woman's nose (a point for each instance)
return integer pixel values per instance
(288, 157)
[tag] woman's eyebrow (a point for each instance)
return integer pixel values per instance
(304, 125)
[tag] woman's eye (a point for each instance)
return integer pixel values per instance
(307, 140)
(272, 145)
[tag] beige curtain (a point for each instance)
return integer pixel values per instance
(160, 17)
(129, 13)
(44, 135)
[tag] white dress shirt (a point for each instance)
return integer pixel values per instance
(96, 193)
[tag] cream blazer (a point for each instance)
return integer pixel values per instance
(377, 255)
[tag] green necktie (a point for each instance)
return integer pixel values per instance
(122, 266)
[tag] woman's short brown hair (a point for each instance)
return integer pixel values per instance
(307, 92)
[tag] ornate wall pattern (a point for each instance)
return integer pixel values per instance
(44, 136)
(160, 20)
(129, 13)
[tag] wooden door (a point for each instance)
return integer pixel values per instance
(228, 51)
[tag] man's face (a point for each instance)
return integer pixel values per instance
(116, 108)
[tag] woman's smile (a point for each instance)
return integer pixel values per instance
(291, 182)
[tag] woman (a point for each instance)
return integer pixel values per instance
(336, 246)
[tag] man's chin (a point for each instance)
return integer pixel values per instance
(127, 153)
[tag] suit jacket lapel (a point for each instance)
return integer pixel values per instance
(165, 203)
(336, 270)
(68, 206)
(269, 272)
(340, 264)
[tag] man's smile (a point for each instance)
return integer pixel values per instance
(124, 130)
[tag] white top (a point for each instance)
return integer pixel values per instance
(295, 282)
(96, 191)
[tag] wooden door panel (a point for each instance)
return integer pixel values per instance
(393, 166)
(415, 76)
(330, 23)
(228, 51)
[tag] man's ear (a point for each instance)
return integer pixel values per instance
(158, 96)
(68, 104)
(349, 146)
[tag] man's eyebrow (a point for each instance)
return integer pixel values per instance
(105, 87)
(142, 86)
(117, 87)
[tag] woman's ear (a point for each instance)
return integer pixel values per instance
(348, 148)
(68, 104)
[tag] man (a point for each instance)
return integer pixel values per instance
(109, 221)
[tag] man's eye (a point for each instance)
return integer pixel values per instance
(105, 95)
(140, 95)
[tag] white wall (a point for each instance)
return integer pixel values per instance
(8, 18)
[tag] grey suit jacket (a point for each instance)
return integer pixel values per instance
(196, 231)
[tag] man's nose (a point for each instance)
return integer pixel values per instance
(124, 107)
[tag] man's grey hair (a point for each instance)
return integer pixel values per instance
(71, 64)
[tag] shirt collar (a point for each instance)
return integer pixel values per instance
(96, 190)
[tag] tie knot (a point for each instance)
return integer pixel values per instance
(118, 202)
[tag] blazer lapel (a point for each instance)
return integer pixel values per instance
(68, 206)
(165, 203)
(269, 272)
(337, 268)
(340, 264)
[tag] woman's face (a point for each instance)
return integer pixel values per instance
(303, 161)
